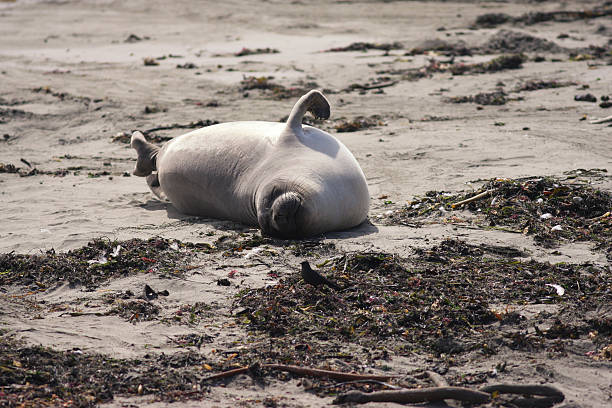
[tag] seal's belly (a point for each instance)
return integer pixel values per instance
(201, 172)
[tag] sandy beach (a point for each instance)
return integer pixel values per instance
(438, 101)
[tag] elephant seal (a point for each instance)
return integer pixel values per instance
(292, 181)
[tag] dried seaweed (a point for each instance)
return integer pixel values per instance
(436, 301)
(516, 42)
(365, 46)
(486, 98)
(274, 90)
(247, 51)
(441, 47)
(490, 20)
(535, 85)
(501, 63)
(550, 209)
(358, 123)
(40, 376)
(93, 264)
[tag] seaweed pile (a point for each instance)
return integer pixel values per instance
(274, 90)
(437, 302)
(40, 376)
(454, 302)
(501, 63)
(498, 97)
(100, 260)
(365, 46)
(358, 123)
(248, 51)
(490, 20)
(549, 209)
(512, 41)
(535, 85)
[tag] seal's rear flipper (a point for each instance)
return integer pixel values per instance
(153, 182)
(313, 102)
(147, 155)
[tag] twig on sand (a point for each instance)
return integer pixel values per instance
(418, 395)
(474, 198)
(226, 374)
(313, 372)
(374, 86)
(602, 120)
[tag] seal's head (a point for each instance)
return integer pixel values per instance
(281, 213)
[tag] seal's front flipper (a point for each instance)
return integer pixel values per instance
(313, 102)
(147, 155)
(153, 182)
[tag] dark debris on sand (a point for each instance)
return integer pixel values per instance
(506, 41)
(274, 90)
(248, 51)
(95, 263)
(365, 46)
(125, 137)
(498, 97)
(550, 209)
(40, 376)
(438, 301)
(535, 85)
(490, 20)
(358, 123)
(501, 63)
(442, 47)
(33, 171)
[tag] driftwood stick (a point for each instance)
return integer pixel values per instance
(384, 384)
(226, 374)
(437, 379)
(336, 375)
(369, 87)
(602, 120)
(524, 389)
(474, 198)
(549, 395)
(418, 395)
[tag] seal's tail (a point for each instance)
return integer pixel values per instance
(313, 102)
(147, 155)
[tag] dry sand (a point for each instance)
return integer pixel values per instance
(70, 82)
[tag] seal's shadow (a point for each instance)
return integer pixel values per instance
(365, 228)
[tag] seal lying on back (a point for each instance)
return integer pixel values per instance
(290, 180)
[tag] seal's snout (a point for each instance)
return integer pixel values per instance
(283, 215)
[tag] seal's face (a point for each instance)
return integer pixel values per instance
(281, 213)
